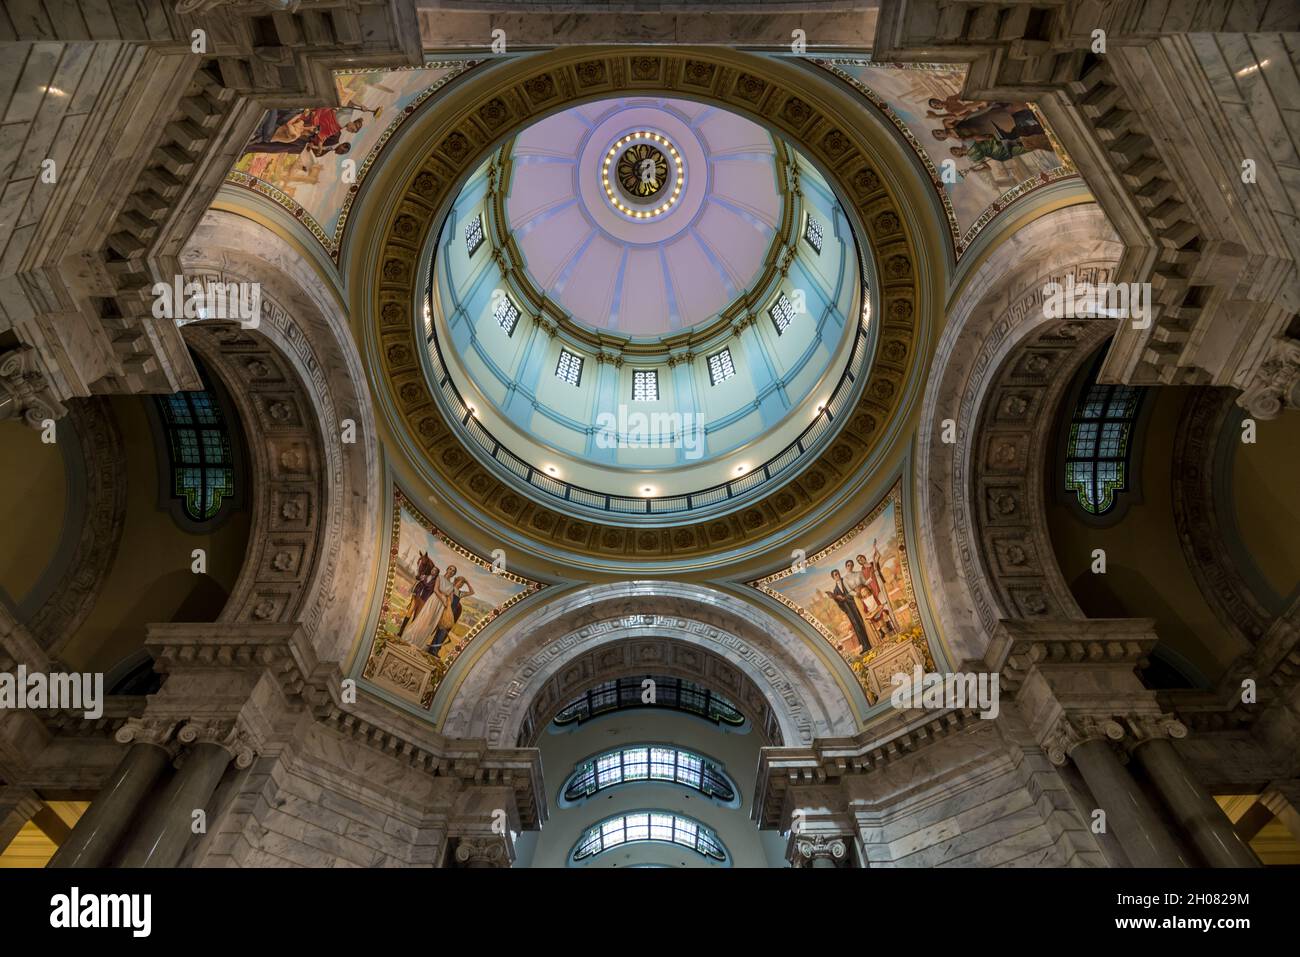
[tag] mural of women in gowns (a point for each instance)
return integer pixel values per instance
(419, 630)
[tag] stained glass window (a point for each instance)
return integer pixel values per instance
(645, 385)
(782, 313)
(202, 462)
(661, 826)
(474, 234)
(506, 313)
(1097, 450)
(721, 367)
(649, 763)
(677, 694)
(812, 233)
(569, 368)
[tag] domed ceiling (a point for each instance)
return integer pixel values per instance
(646, 306)
(677, 225)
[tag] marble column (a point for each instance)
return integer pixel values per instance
(17, 806)
(1196, 812)
(106, 820)
(1141, 831)
(161, 838)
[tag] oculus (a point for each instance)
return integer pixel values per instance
(642, 169)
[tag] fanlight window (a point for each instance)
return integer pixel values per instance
(660, 826)
(202, 465)
(782, 313)
(474, 234)
(649, 763)
(676, 694)
(812, 233)
(569, 368)
(721, 367)
(1097, 451)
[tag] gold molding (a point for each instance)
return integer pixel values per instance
(510, 258)
(541, 85)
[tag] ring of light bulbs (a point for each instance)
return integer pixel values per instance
(679, 165)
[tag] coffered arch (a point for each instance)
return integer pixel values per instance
(997, 376)
(314, 456)
(492, 693)
(445, 145)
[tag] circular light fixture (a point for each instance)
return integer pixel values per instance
(647, 490)
(644, 163)
(741, 469)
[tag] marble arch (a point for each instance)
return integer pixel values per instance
(996, 319)
(295, 378)
(492, 696)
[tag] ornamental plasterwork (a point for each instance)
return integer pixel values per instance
(460, 141)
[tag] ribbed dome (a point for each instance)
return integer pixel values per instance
(644, 266)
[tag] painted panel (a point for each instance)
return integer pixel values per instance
(999, 151)
(859, 595)
(298, 157)
(437, 597)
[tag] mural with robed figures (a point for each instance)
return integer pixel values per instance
(980, 155)
(437, 597)
(858, 594)
(313, 161)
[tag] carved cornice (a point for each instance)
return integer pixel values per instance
(1019, 646)
(844, 152)
(830, 759)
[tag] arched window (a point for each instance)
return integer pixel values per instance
(1099, 442)
(201, 469)
(649, 763)
(676, 694)
(661, 826)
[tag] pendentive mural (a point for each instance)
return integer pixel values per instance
(997, 151)
(858, 593)
(437, 597)
(297, 157)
